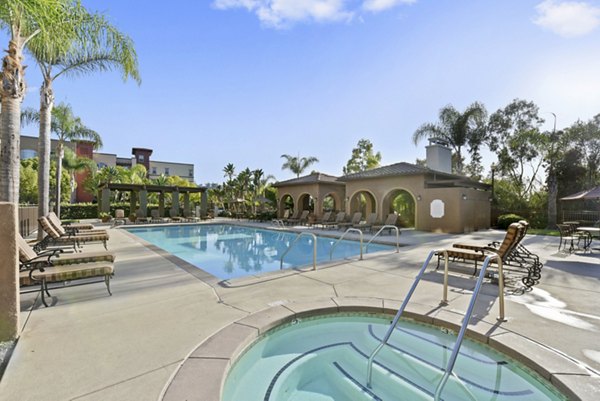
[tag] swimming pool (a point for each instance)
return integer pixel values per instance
(325, 358)
(228, 251)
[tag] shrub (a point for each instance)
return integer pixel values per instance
(506, 220)
(79, 211)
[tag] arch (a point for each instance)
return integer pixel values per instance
(286, 201)
(331, 202)
(362, 201)
(306, 202)
(402, 202)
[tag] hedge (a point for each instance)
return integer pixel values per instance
(90, 210)
(506, 220)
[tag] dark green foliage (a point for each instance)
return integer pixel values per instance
(90, 210)
(507, 219)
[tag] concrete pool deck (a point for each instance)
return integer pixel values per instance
(90, 346)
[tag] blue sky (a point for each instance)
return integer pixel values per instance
(245, 81)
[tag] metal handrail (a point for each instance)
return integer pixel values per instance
(386, 227)
(314, 237)
(467, 318)
(278, 223)
(398, 314)
(356, 230)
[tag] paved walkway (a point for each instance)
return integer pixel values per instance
(90, 346)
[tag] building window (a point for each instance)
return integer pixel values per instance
(191, 172)
(166, 171)
(153, 170)
(28, 154)
(101, 165)
(140, 158)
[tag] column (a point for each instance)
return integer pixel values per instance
(132, 202)
(144, 201)
(161, 204)
(186, 204)
(203, 204)
(105, 200)
(175, 202)
(9, 273)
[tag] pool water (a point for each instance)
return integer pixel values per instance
(228, 251)
(325, 359)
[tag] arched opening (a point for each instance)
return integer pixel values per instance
(402, 203)
(286, 203)
(330, 203)
(306, 202)
(363, 202)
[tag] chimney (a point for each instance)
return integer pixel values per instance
(439, 155)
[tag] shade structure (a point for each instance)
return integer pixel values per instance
(593, 193)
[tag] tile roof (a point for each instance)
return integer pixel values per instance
(396, 169)
(313, 178)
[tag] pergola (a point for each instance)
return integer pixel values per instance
(140, 191)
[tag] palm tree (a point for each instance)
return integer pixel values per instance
(68, 128)
(297, 164)
(48, 21)
(457, 129)
(73, 164)
(97, 46)
(229, 171)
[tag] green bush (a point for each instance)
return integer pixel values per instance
(79, 211)
(506, 220)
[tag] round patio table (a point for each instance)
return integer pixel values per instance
(592, 232)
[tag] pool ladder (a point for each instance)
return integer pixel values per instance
(463, 328)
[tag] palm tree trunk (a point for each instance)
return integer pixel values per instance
(552, 195)
(44, 147)
(59, 154)
(72, 198)
(12, 91)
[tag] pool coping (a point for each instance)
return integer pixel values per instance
(202, 374)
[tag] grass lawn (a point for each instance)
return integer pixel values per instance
(543, 231)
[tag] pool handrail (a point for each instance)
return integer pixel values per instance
(386, 227)
(279, 223)
(314, 237)
(356, 230)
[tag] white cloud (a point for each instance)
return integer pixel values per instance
(283, 13)
(567, 18)
(382, 5)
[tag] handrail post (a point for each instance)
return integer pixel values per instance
(342, 237)
(397, 318)
(445, 291)
(386, 227)
(314, 237)
(501, 317)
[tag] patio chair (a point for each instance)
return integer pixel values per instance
(29, 257)
(76, 226)
(567, 236)
(368, 224)
(339, 218)
(294, 216)
(513, 233)
(354, 221)
(390, 220)
(303, 218)
(75, 239)
(191, 216)
(174, 215)
(155, 217)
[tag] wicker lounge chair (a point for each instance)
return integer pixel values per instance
(355, 220)
(28, 256)
(76, 226)
(75, 239)
(62, 230)
(513, 235)
(339, 218)
(390, 220)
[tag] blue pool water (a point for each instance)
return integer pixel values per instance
(325, 359)
(228, 251)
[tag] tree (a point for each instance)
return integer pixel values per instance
(229, 171)
(68, 128)
(73, 164)
(49, 21)
(95, 46)
(297, 164)
(362, 158)
(458, 130)
(519, 145)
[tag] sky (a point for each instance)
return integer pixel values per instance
(245, 81)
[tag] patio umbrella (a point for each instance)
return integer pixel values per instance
(593, 193)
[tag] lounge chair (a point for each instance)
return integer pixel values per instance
(513, 235)
(368, 224)
(303, 218)
(76, 226)
(154, 214)
(294, 216)
(191, 217)
(75, 239)
(62, 230)
(174, 215)
(354, 221)
(324, 219)
(339, 218)
(390, 220)
(29, 257)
